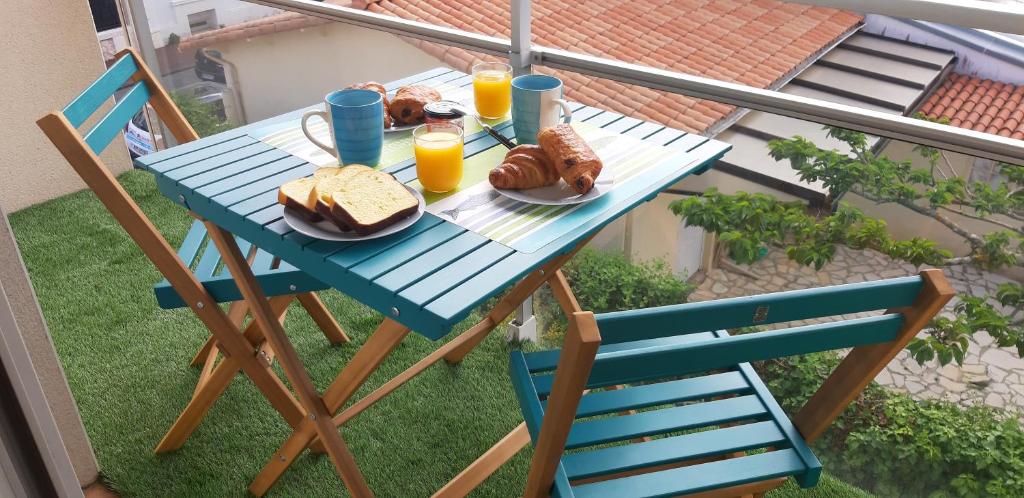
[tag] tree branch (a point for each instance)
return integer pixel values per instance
(981, 218)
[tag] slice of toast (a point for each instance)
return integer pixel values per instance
(373, 201)
(295, 195)
(320, 196)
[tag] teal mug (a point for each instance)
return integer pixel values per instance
(536, 102)
(355, 118)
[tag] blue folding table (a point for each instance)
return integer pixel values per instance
(425, 278)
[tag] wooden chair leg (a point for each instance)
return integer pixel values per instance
(323, 318)
(221, 376)
(488, 463)
(383, 341)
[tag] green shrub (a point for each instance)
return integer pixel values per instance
(201, 116)
(893, 445)
(607, 281)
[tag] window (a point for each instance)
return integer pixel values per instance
(202, 21)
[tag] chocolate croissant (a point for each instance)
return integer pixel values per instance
(573, 159)
(407, 106)
(524, 167)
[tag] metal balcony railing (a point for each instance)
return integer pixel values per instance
(522, 53)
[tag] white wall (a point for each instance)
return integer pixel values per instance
(312, 62)
(171, 16)
(49, 55)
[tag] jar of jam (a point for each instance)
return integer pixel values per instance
(443, 111)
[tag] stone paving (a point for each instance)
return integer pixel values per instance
(990, 374)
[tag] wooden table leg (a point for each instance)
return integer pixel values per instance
(383, 341)
(319, 418)
(488, 463)
(323, 318)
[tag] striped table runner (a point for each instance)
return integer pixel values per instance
(478, 207)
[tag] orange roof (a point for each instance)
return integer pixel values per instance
(757, 43)
(277, 23)
(983, 105)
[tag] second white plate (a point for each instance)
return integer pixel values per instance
(329, 231)
(561, 193)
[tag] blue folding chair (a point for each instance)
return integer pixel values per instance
(663, 402)
(194, 274)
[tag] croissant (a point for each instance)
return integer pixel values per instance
(573, 159)
(407, 106)
(524, 167)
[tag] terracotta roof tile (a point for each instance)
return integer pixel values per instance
(757, 42)
(978, 104)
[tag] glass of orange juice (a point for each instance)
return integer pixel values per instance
(492, 89)
(438, 148)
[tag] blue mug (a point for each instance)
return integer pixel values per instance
(536, 101)
(356, 120)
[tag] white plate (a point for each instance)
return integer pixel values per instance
(561, 193)
(329, 231)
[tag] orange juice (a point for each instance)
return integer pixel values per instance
(438, 151)
(492, 89)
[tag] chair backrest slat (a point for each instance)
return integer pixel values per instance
(665, 321)
(100, 91)
(107, 128)
(665, 361)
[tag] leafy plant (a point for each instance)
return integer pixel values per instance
(606, 281)
(892, 445)
(201, 116)
(745, 222)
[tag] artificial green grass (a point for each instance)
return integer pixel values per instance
(126, 361)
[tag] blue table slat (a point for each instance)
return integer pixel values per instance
(383, 262)
(696, 478)
(424, 291)
(662, 393)
(623, 125)
(666, 135)
(644, 130)
(194, 154)
(679, 418)
(431, 262)
(689, 142)
(353, 253)
(605, 118)
(199, 174)
(222, 182)
(672, 449)
(259, 167)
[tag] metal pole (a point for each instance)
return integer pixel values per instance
(138, 25)
(519, 56)
(524, 326)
